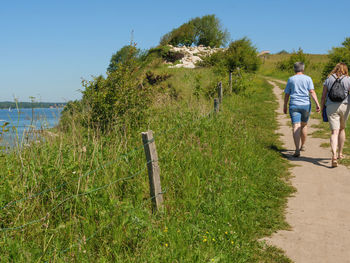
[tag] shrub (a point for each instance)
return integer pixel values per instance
(282, 52)
(337, 55)
(242, 54)
(122, 55)
(215, 59)
(154, 79)
(120, 99)
(206, 30)
(288, 64)
(165, 53)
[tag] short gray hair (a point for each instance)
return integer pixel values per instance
(299, 67)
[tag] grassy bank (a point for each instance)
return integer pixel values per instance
(223, 178)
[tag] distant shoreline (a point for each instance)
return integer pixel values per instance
(30, 105)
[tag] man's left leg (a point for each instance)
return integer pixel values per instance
(303, 135)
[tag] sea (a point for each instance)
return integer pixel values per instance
(20, 126)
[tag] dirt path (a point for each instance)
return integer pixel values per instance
(319, 212)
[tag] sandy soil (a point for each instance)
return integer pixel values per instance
(319, 212)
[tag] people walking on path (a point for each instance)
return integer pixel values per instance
(335, 98)
(297, 92)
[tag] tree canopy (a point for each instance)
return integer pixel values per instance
(242, 54)
(125, 53)
(206, 30)
(337, 55)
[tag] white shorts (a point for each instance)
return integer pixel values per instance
(338, 114)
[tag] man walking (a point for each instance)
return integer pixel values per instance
(298, 89)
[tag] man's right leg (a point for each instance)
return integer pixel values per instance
(296, 137)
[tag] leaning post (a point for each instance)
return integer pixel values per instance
(216, 105)
(230, 81)
(153, 170)
(220, 94)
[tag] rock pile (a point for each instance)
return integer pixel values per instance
(192, 55)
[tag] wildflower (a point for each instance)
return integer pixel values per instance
(214, 239)
(226, 233)
(232, 242)
(166, 245)
(204, 240)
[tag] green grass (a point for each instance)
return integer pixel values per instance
(223, 177)
(314, 70)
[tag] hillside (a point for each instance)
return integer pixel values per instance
(85, 197)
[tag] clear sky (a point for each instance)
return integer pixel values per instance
(47, 47)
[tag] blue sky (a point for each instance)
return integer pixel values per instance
(47, 47)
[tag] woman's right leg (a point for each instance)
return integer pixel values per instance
(341, 141)
(296, 137)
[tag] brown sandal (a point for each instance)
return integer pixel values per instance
(334, 163)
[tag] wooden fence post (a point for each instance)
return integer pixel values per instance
(220, 92)
(230, 82)
(153, 170)
(216, 105)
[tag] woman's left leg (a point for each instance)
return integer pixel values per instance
(334, 143)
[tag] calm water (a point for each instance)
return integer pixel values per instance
(22, 121)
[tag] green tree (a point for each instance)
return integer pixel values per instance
(209, 32)
(206, 30)
(183, 35)
(337, 55)
(122, 55)
(243, 55)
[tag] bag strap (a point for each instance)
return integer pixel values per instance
(336, 78)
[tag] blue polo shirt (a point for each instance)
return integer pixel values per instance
(298, 87)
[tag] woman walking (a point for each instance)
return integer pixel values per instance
(298, 90)
(335, 98)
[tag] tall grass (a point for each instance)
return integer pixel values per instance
(223, 178)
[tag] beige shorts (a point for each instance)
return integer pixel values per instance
(338, 114)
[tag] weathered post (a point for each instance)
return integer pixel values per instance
(230, 82)
(153, 170)
(220, 92)
(216, 105)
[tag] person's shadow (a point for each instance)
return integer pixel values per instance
(288, 154)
